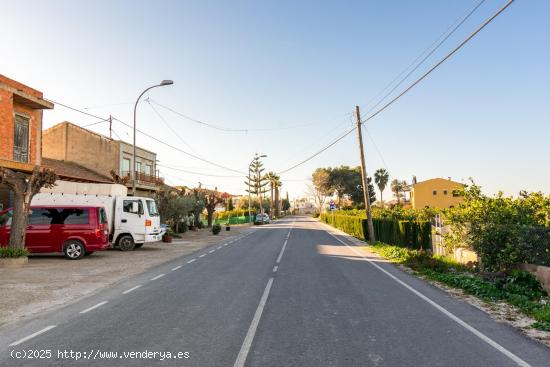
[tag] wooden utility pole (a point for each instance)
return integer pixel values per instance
(366, 195)
(110, 126)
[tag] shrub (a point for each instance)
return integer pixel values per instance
(9, 252)
(413, 234)
(216, 228)
(503, 231)
(200, 225)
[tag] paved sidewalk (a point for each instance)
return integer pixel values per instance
(50, 281)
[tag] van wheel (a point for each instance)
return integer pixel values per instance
(138, 245)
(126, 243)
(74, 250)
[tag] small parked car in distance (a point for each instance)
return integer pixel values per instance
(75, 231)
(262, 219)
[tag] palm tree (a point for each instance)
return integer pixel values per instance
(273, 180)
(396, 187)
(381, 178)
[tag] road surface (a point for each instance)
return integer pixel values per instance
(292, 293)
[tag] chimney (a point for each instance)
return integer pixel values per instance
(414, 180)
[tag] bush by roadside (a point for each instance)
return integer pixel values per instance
(518, 288)
(11, 253)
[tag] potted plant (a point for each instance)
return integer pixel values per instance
(13, 257)
(227, 226)
(216, 228)
(168, 236)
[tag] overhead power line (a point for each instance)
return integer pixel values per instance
(434, 47)
(197, 173)
(415, 83)
(150, 137)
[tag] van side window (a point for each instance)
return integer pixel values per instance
(5, 218)
(39, 216)
(127, 206)
(74, 216)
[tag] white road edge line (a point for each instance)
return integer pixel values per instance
(131, 289)
(177, 267)
(479, 334)
(94, 307)
(28, 337)
(247, 343)
(158, 276)
(192, 260)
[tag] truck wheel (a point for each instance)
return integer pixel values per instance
(74, 249)
(138, 245)
(126, 243)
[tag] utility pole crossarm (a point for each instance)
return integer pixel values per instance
(366, 195)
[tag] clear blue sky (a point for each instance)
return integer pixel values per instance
(276, 64)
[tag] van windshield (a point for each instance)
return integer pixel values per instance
(152, 208)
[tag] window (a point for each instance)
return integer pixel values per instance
(39, 216)
(456, 193)
(125, 166)
(138, 166)
(127, 206)
(72, 216)
(5, 218)
(444, 192)
(152, 208)
(102, 216)
(434, 192)
(21, 139)
(147, 170)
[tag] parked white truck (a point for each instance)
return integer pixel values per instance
(133, 220)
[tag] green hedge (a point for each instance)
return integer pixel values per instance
(411, 234)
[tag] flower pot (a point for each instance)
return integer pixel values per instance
(13, 262)
(227, 228)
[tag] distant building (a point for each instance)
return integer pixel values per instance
(435, 193)
(20, 130)
(304, 206)
(98, 153)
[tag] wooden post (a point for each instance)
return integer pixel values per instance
(366, 195)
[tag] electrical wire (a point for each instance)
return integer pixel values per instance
(197, 173)
(150, 137)
(170, 127)
(437, 44)
(411, 86)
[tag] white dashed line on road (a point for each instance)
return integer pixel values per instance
(219, 247)
(93, 307)
(275, 268)
(192, 260)
(177, 267)
(203, 255)
(211, 251)
(22, 340)
(131, 289)
(158, 276)
(247, 343)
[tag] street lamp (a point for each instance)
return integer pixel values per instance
(162, 84)
(249, 174)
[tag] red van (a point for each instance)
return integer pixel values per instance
(74, 230)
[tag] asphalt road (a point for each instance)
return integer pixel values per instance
(285, 294)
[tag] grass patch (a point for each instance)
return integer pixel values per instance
(12, 253)
(519, 288)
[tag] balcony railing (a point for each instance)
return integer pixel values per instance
(142, 177)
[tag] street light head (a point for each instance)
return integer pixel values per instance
(167, 82)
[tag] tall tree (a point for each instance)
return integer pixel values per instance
(381, 178)
(256, 181)
(398, 189)
(24, 187)
(274, 181)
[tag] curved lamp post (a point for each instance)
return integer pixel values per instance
(134, 165)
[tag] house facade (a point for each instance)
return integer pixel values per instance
(435, 193)
(71, 143)
(21, 110)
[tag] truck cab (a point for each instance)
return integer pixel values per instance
(136, 221)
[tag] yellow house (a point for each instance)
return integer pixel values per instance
(435, 193)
